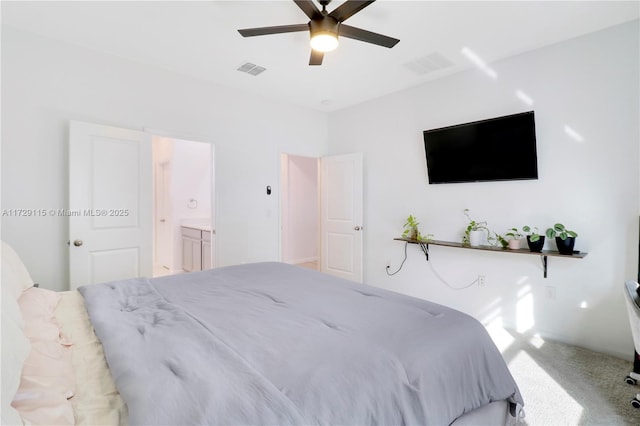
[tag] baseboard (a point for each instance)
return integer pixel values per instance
(303, 260)
(567, 340)
(167, 270)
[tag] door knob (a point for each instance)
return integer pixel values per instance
(77, 243)
(357, 228)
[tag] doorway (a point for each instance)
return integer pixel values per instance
(321, 213)
(300, 219)
(183, 205)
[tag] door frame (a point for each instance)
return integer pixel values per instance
(283, 199)
(160, 171)
(319, 194)
(214, 200)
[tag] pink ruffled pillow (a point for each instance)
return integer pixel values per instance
(47, 380)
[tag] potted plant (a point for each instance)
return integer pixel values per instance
(411, 228)
(513, 237)
(565, 239)
(499, 239)
(475, 231)
(535, 241)
(412, 232)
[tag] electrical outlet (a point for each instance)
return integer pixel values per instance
(481, 280)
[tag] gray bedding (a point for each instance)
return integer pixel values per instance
(273, 344)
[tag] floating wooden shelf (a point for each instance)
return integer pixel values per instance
(544, 254)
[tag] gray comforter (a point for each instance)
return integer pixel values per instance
(274, 344)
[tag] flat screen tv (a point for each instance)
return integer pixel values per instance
(497, 149)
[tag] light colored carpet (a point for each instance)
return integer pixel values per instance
(567, 385)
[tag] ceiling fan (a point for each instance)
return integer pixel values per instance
(325, 27)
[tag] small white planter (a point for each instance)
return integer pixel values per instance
(476, 238)
(514, 244)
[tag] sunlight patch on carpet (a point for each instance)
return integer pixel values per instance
(541, 386)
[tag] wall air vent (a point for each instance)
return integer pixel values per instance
(250, 68)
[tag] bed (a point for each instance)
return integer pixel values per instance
(271, 343)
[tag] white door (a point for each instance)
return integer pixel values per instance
(341, 215)
(110, 202)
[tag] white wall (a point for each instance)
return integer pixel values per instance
(191, 180)
(46, 83)
(590, 84)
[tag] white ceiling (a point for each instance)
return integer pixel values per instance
(199, 39)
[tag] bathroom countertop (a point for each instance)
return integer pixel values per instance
(195, 224)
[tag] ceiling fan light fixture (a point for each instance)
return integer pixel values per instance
(324, 41)
(325, 27)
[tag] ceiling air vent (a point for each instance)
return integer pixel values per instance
(430, 63)
(250, 68)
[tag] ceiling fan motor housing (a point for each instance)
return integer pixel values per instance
(324, 25)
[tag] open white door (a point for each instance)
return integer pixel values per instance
(341, 215)
(110, 202)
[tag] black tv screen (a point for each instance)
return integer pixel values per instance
(497, 149)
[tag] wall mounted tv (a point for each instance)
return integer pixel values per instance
(497, 149)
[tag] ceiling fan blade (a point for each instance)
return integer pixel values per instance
(367, 36)
(309, 8)
(348, 9)
(316, 57)
(250, 32)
